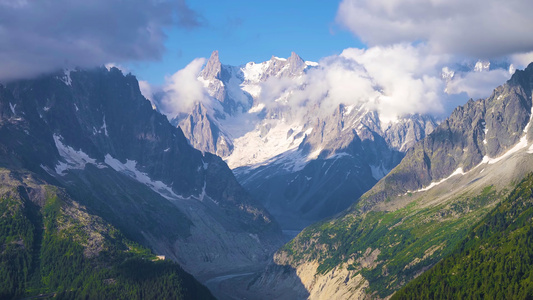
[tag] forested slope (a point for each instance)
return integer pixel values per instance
(495, 260)
(51, 245)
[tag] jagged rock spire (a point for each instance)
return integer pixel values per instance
(293, 66)
(296, 64)
(213, 67)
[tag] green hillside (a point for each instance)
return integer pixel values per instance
(390, 248)
(495, 260)
(50, 245)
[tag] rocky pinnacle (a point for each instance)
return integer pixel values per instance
(213, 67)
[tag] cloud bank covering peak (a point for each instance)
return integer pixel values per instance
(183, 89)
(45, 35)
(395, 80)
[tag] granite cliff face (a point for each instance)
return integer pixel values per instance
(94, 134)
(203, 132)
(417, 214)
(220, 81)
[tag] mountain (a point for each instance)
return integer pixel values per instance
(424, 207)
(53, 246)
(234, 91)
(342, 156)
(92, 133)
(493, 261)
(303, 162)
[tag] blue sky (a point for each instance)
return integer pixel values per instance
(245, 31)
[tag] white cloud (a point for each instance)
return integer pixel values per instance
(147, 91)
(394, 80)
(123, 69)
(46, 35)
(183, 89)
(408, 78)
(522, 60)
(476, 28)
(478, 84)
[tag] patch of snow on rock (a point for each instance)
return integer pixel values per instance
(130, 168)
(530, 149)
(254, 148)
(66, 77)
(521, 144)
(73, 159)
(459, 171)
(104, 127)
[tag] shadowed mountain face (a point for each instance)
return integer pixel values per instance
(423, 208)
(94, 134)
